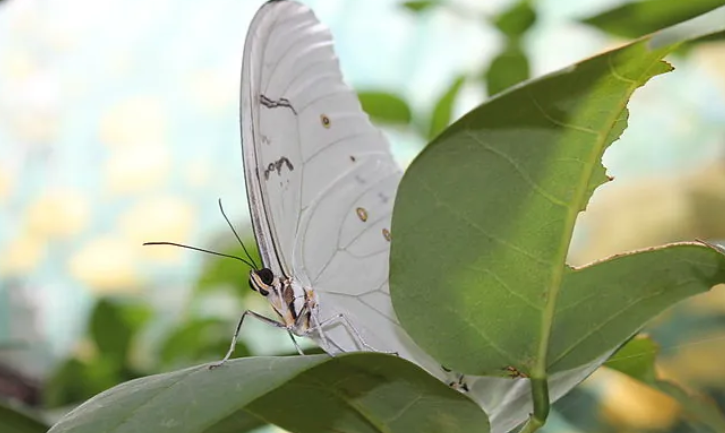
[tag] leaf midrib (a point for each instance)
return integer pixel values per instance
(539, 370)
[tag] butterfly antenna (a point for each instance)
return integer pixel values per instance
(221, 208)
(173, 244)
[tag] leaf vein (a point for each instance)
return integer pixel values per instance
(556, 122)
(536, 187)
(506, 287)
(475, 226)
(597, 329)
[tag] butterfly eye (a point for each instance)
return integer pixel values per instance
(266, 276)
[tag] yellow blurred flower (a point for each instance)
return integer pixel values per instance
(22, 255)
(136, 168)
(106, 265)
(136, 120)
(158, 219)
(631, 404)
(58, 213)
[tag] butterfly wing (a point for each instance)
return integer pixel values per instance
(321, 180)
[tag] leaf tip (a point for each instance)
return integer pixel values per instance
(710, 245)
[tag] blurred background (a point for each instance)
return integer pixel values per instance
(119, 125)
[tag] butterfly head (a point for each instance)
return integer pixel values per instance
(262, 281)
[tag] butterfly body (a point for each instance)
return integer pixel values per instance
(293, 304)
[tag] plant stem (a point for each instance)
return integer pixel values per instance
(540, 397)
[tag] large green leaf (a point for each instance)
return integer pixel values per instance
(638, 18)
(361, 392)
(484, 217)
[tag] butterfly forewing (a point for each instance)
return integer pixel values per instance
(322, 177)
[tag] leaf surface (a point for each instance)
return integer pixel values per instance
(361, 392)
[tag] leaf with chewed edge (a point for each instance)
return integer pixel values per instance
(485, 214)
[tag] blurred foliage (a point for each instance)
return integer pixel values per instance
(106, 360)
(229, 275)
(116, 331)
(638, 18)
(511, 65)
(385, 107)
(684, 384)
(420, 6)
(637, 360)
(442, 114)
(13, 420)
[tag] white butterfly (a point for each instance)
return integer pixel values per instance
(321, 184)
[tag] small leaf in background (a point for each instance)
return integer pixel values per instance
(636, 359)
(517, 20)
(420, 6)
(385, 107)
(220, 272)
(361, 392)
(638, 18)
(75, 381)
(443, 109)
(15, 421)
(510, 67)
(199, 340)
(113, 325)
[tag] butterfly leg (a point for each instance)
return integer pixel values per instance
(459, 383)
(233, 344)
(318, 327)
(297, 346)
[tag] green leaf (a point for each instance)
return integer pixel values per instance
(698, 409)
(225, 273)
(508, 68)
(499, 192)
(443, 109)
(385, 107)
(360, 392)
(420, 6)
(15, 421)
(113, 325)
(75, 381)
(516, 20)
(638, 18)
(636, 359)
